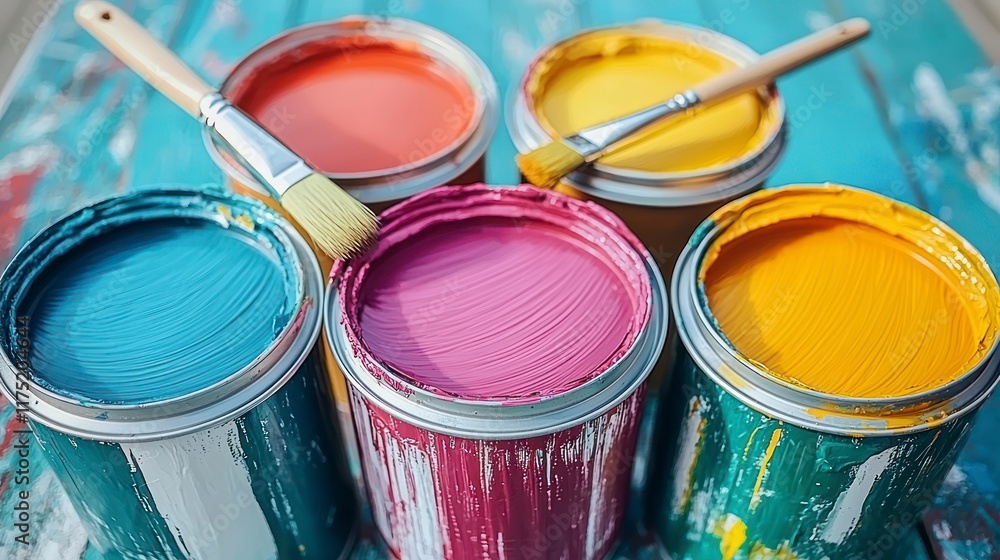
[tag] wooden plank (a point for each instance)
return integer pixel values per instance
(982, 17)
(78, 126)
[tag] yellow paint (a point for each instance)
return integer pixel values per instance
(761, 552)
(602, 75)
(849, 293)
(764, 462)
(732, 533)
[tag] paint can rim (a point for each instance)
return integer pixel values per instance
(218, 403)
(721, 362)
(499, 420)
(642, 188)
(400, 182)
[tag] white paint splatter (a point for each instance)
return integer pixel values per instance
(850, 504)
(201, 487)
(688, 445)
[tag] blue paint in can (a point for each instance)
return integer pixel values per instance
(166, 344)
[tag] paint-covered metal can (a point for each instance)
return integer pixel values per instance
(162, 345)
(496, 342)
(386, 107)
(674, 176)
(836, 346)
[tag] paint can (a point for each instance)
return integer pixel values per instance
(496, 342)
(162, 345)
(386, 107)
(831, 441)
(674, 177)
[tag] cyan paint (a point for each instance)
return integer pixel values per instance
(165, 305)
(154, 310)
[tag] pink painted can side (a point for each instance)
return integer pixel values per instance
(539, 465)
(437, 496)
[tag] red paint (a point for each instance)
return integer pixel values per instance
(15, 190)
(359, 106)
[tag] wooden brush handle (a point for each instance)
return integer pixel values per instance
(782, 60)
(137, 48)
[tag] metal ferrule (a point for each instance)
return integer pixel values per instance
(595, 142)
(270, 161)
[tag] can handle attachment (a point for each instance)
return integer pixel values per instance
(142, 52)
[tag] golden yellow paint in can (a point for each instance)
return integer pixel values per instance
(847, 293)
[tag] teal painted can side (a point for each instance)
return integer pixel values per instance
(747, 467)
(246, 465)
(295, 482)
(735, 484)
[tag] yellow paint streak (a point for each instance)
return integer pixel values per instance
(732, 533)
(602, 75)
(849, 293)
(764, 462)
(761, 552)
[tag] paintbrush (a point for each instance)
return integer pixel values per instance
(338, 223)
(546, 165)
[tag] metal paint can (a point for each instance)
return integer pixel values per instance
(247, 467)
(662, 208)
(460, 160)
(544, 476)
(748, 466)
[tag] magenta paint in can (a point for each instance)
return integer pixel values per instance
(497, 341)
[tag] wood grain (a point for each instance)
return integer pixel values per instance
(913, 113)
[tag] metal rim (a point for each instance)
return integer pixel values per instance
(493, 420)
(406, 180)
(721, 362)
(663, 189)
(225, 400)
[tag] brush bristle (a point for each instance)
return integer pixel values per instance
(545, 166)
(337, 222)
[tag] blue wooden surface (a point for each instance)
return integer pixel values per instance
(913, 114)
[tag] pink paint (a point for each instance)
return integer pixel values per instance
(514, 297)
(490, 294)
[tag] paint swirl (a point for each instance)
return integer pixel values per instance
(849, 293)
(154, 310)
(498, 294)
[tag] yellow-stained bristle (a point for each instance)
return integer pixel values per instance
(545, 166)
(337, 222)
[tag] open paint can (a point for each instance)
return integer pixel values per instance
(674, 175)
(497, 342)
(386, 107)
(836, 345)
(163, 346)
